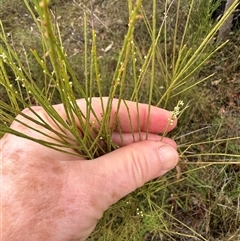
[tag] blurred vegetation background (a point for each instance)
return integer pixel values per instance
(199, 201)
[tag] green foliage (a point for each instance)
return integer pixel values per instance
(166, 48)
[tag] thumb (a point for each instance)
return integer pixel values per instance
(131, 166)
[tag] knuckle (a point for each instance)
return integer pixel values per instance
(30, 111)
(27, 117)
(140, 167)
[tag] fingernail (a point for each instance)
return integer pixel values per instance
(168, 157)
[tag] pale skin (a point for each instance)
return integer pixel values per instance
(48, 195)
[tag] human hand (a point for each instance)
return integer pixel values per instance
(50, 195)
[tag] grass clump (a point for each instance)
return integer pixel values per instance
(152, 52)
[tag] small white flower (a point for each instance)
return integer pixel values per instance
(176, 111)
(3, 56)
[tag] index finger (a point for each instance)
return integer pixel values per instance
(130, 116)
